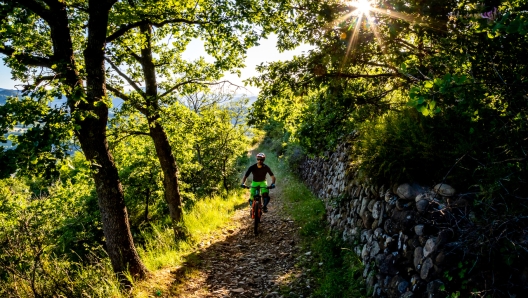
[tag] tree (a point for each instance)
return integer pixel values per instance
(219, 131)
(227, 28)
(66, 41)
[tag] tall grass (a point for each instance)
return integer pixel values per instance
(205, 217)
(335, 268)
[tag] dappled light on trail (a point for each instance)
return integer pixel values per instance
(234, 263)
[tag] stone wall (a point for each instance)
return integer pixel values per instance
(406, 241)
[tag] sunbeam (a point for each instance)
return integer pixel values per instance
(362, 6)
(363, 11)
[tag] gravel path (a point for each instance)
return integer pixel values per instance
(238, 264)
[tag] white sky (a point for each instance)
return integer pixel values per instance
(265, 52)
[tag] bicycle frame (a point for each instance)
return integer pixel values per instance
(256, 207)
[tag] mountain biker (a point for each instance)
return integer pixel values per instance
(259, 171)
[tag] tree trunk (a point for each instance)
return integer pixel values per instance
(158, 135)
(170, 175)
(92, 136)
(92, 120)
(147, 204)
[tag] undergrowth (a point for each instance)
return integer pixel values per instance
(36, 232)
(325, 259)
(160, 249)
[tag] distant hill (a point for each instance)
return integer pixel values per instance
(116, 102)
(5, 93)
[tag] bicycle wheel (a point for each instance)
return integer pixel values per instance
(256, 218)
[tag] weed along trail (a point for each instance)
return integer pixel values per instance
(236, 263)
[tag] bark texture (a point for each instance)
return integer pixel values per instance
(92, 136)
(159, 136)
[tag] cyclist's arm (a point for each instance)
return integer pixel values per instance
(246, 175)
(271, 175)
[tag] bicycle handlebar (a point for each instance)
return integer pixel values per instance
(258, 187)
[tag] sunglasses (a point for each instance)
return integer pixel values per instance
(260, 159)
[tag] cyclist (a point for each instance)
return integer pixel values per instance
(259, 171)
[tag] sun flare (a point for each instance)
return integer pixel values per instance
(362, 6)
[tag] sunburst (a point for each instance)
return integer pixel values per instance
(363, 10)
(362, 6)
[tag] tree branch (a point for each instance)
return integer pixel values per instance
(124, 76)
(125, 28)
(196, 82)
(39, 80)
(129, 134)
(355, 76)
(26, 59)
(38, 9)
(126, 98)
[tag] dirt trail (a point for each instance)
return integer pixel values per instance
(238, 264)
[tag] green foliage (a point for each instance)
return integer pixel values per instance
(207, 143)
(52, 244)
(46, 137)
(467, 87)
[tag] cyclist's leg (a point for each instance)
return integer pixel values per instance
(252, 192)
(262, 185)
(265, 196)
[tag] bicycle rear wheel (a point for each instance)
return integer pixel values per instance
(256, 218)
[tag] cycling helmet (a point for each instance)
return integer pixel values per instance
(262, 156)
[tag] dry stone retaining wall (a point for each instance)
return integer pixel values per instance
(406, 243)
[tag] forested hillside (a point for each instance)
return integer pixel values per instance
(426, 92)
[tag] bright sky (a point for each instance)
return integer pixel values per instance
(265, 52)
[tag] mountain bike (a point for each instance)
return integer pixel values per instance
(256, 207)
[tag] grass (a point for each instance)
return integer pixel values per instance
(335, 268)
(165, 258)
(206, 217)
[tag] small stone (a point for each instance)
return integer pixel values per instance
(239, 290)
(426, 268)
(371, 205)
(375, 249)
(430, 247)
(377, 233)
(425, 196)
(376, 209)
(405, 191)
(418, 256)
(444, 190)
(422, 205)
(388, 196)
(440, 258)
(418, 229)
(402, 286)
(375, 224)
